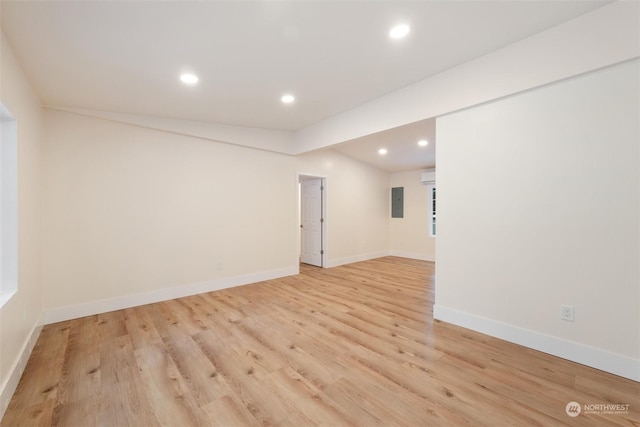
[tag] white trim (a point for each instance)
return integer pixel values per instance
(413, 255)
(613, 363)
(60, 314)
(356, 258)
(15, 372)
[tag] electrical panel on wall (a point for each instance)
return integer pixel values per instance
(397, 202)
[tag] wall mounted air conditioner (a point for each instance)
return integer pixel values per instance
(428, 177)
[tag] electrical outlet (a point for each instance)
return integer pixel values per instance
(567, 313)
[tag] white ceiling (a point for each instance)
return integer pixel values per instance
(403, 152)
(126, 56)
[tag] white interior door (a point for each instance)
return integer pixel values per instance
(311, 221)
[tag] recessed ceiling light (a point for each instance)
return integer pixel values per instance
(288, 98)
(189, 79)
(382, 151)
(423, 143)
(399, 31)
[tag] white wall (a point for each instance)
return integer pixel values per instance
(357, 205)
(538, 206)
(134, 215)
(20, 319)
(410, 236)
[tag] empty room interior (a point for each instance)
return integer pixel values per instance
(223, 213)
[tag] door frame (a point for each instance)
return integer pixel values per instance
(323, 225)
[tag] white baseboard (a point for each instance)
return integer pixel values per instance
(60, 314)
(15, 372)
(357, 258)
(413, 255)
(613, 363)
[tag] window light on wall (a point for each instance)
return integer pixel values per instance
(8, 206)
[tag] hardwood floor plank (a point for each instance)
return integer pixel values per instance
(363, 406)
(299, 348)
(42, 375)
(79, 400)
(227, 411)
(167, 394)
(122, 399)
(37, 415)
(193, 366)
(241, 378)
(354, 345)
(81, 374)
(311, 401)
(140, 327)
(111, 325)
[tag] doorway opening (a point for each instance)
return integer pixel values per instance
(312, 196)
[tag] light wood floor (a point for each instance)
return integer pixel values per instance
(349, 346)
